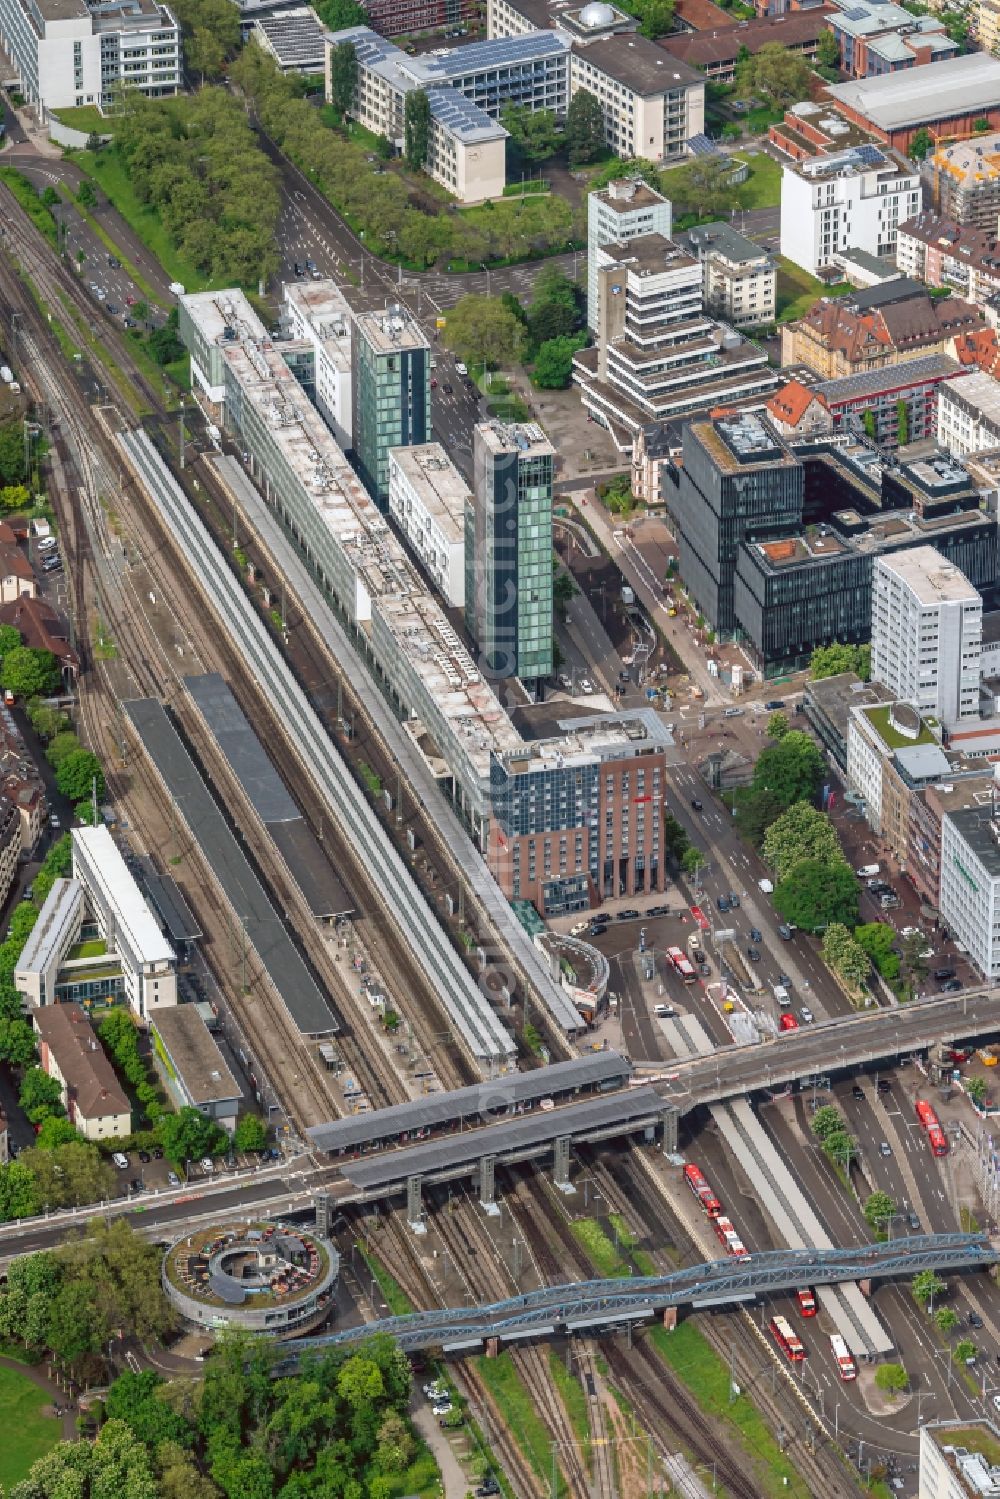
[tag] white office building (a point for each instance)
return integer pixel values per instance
(957, 1460)
(968, 414)
(927, 633)
(617, 213)
(855, 198)
(125, 922)
(317, 313)
(68, 53)
(427, 500)
(50, 939)
(970, 884)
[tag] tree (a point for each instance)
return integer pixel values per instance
(755, 812)
(845, 956)
(553, 366)
(878, 1209)
(480, 329)
(891, 1379)
(17, 1042)
(204, 54)
(876, 938)
(395, 1444)
(800, 833)
(77, 774)
(534, 133)
(774, 73)
(343, 76)
(552, 319)
(914, 948)
(977, 1088)
(416, 128)
(14, 497)
(563, 589)
(675, 839)
(827, 1121)
(86, 194)
(868, 423)
(18, 1192)
(656, 17)
(710, 187)
(188, 1135)
(46, 721)
(982, 126)
(813, 894)
(338, 15)
(777, 725)
(12, 467)
(946, 1318)
(29, 672)
(250, 1133)
(927, 1286)
(963, 1350)
(840, 1147)
(584, 133)
(828, 50)
(902, 422)
(792, 769)
(50, 197)
(360, 1381)
(136, 1400)
(70, 1174)
(55, 1132)
(40, 1095)
(692, 861)
(921, 144)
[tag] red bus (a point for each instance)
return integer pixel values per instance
(787, 1340)
(936, 1138)
(841, 1352)
(807, 1302)
(730, 1239)
(682, 965)
(699, 1186)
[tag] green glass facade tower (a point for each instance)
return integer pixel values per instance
(508, 551)
(391, 392)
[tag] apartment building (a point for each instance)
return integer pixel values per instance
(620, 212)
(391, 392)
(653, 103)
(428, 499)
(577, 819)
(317, 314)
(896, 404)
(739, 279)
(853, 198)
(962, 179)
(943, 253)
(875, 38)
(128, 926)
(927, 628)
(659, 358)
(970, 885)
(466, 151)
(70, 1052)
(716, 50)
(508, 551)
(969, 413)
(877, 328)
(68, 53)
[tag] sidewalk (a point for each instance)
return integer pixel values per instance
(455, 1480)
(636, 572)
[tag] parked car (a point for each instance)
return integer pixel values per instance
(586, 685)
(121, 1161)
(944, 973)
(173, 1179)
(951, 986)
(207, 1165)
(658, 911)
(145, 1156)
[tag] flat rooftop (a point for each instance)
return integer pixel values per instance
(611, 1113)
(323, 306)
(480, 1103)
(196, 1056)
(95, 850)
(977, 826)
(728, 242)
(586, 742)
(737, 443)
(442, 489)
(629, 194)
(47, 939)
(929, 576)
(393, 330)
(639, 64)
(215, 313)
(954, 88)
(172, 908)
(526, 438)
(978, 391)
(648, 254)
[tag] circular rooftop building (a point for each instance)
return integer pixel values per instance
(597, 14)
(260, 1277)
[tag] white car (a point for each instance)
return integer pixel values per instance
(461, 369)
(910, 931)
(207, 1165)
(121, 1161)
(578, 927)
(586, 685)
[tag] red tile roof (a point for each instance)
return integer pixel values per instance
(41, 627)
(792, 401)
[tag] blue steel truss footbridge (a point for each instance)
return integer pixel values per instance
(602, 1303)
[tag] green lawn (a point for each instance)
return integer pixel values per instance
(762, 188)
(87, 118)
(95, 948)
(599, 1248)
(396, 1298)
(27, 1435)
(698, 1366)
(573, 1398)
(107, 171)
(797, 290)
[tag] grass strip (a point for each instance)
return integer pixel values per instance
(571, 1393)
(598, 1248)
(699, 1367)
(395, 1297)
(32, 204)
(27, 1434)
(518, 1413)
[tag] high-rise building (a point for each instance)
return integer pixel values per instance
(617, 213)
(927, 633)
(391, 392)
(317, 312)
(508, 551)
(67, 53)
(856, 198)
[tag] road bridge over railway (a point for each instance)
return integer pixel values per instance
(841, 1045)
(601, 1303)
